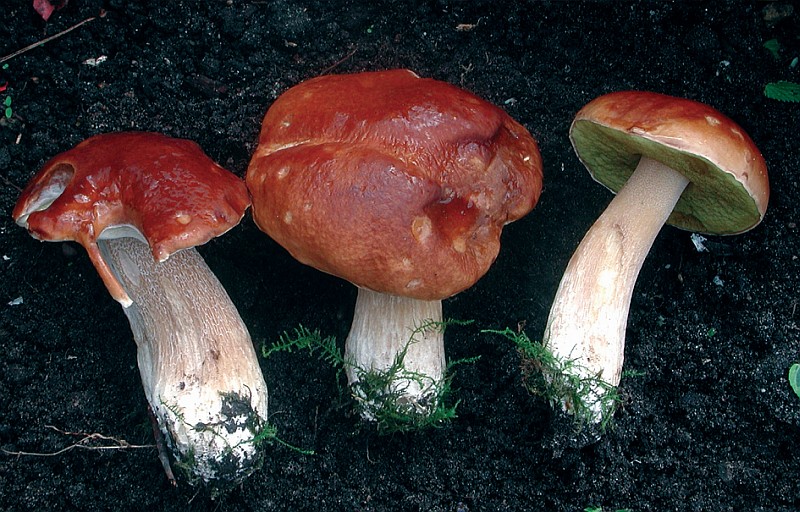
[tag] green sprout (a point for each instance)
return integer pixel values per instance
(7, 100)
(375, 391)
(794, 378)
(783, 91)
(563, 383)
(774, 48)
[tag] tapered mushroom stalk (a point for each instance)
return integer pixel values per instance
(139, 203)
(593, 298)
(671, 161)
(403, 336)
(196, 359)
(402, 186)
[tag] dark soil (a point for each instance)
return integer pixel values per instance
(709, 424)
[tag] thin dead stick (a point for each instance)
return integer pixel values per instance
(47, 39)
(10, 183)
(120, 444)
(337, 63)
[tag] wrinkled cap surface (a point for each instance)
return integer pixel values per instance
(729, 187)
(163, 190)
(396, 183)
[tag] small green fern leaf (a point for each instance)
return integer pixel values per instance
(783, 91)
(794, 378)
(774, 48)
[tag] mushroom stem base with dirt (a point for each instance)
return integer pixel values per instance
(586, 327)
(196, 359)
(394, 354)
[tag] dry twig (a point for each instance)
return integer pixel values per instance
(48, 39)
(83, 443)
(338, 62)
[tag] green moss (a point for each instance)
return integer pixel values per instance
(376, 393)
(564, 384)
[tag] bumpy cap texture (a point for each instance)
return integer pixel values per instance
(396, 183)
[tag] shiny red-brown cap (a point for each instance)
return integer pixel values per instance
(728, 189)
(166, 189)
(397, 183)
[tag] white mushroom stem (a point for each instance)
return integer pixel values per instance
(402, 337)
(590, 310)
(198, 366)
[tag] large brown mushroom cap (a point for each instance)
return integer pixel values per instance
(112, 179)
(396, 183)
(166, 189)
(729, 188)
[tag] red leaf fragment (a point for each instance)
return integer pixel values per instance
(45, 7)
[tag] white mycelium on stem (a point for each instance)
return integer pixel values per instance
(198, 366)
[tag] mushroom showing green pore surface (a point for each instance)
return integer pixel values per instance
(400, 185)
(670, 160)
(139, 203)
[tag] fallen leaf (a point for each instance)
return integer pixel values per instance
(44, 8)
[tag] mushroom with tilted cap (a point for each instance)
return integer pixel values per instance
(139, 202)
(669, 160)
(400, 185)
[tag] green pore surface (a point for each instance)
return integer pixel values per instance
(714, 202)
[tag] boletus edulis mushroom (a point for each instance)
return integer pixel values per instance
(139, 203)
(669, 160)
(400, 185)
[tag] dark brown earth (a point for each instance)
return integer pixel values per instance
(710, 424)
